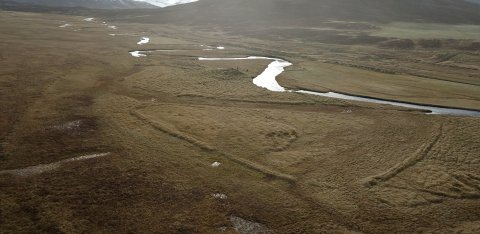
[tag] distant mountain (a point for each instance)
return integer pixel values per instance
(311, 12)
(95, 4)
(107, 4)
(166, 3)
(262, 13)
(474, 1)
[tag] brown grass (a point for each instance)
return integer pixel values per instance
(291, 163)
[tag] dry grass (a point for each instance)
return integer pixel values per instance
(290, 163)
(425, 30)
(331, 77)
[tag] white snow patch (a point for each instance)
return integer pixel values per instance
(220, 196)
(112, 34)
(137, 54)
(88, 19)
(212, 47)
(65, 25)
(163, 50)
(245, 226)
(166, 3)
(142, 53)
(112, 27)
(144, 40)
(267, 78)
(39, 169)
(68, 125)
(216, 164)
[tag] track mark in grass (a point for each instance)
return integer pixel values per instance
(39, 169)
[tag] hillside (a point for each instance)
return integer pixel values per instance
(310, 12)
(474, 1)
(101, 4)
(166, 3)
(240, 116)
(94, 4)
(266, 12)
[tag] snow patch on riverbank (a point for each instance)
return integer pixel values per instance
(267, 78)
(143, 41)
(268, 81)
(212, 47)
(137, 54)
(166, 3)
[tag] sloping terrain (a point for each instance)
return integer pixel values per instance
(94, 140)
(166, 3)
(98, 4)
(474, 1)
(311, 12)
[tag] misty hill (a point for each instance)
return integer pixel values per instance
(105, 4)
(97, 4)
(310, 12)
(474, 1)
(166, 3)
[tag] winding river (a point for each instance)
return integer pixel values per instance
(277, 66)
(267, 80)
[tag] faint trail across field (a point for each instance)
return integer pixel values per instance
(39, 169)
(204, 146)
(419, 155)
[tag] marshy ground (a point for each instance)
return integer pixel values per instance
(290, 162)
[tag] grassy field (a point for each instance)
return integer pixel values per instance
(290, 163)
(429, 30)
(331, 77)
